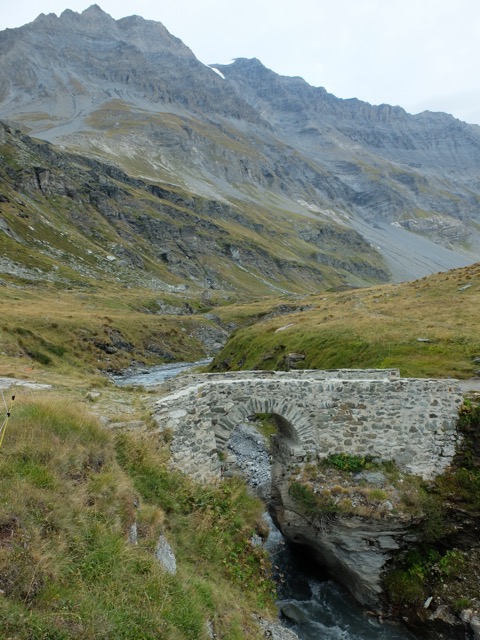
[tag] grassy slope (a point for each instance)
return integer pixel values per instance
(65, 227)
(70, 493)
(70, 488)
(71, 329)
(374, 327)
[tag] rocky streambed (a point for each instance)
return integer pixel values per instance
(353, 526)
(310, 603)
(150, 376)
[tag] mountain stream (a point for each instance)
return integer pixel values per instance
(150, 376)
(312, 606)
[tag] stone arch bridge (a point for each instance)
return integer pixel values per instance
(360, 412)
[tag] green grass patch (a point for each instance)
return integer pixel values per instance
(70, 493)
(424, 571)
(426, 328)
(267, 424)
(347, 462)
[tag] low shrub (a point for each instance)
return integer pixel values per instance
(347, 462)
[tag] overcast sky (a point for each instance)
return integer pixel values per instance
(419, 54)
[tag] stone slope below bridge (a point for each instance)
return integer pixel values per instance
(361, 412)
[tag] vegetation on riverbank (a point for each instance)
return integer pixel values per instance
(71, 492)
(351, 485)
(81, 333)
(438, 569)
(444, 564)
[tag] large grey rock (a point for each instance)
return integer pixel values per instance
(293, 612)
(475, 625)
(375, 478)
(354, 550)
(7, 383)
(165, 556)
(444, 614)
(471, 618)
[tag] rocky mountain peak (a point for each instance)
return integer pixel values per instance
(251, 68)
(93, 19)
(130, 91)
(78, 60)
(150, 37)
(248, 64)
(42, 18)
(145, 35)
(95, 11)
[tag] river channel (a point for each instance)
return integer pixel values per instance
(151, 376)
(314, 607)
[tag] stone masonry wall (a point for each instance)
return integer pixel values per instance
(360, 412)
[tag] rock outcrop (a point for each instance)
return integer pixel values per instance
(353, 549)
(165, 556)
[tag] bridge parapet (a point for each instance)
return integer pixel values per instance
(298, 374)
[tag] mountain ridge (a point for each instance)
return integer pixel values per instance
(135, 95)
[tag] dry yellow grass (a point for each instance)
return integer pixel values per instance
(429, 327)
(75, 335)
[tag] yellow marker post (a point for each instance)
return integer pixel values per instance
(3, 428)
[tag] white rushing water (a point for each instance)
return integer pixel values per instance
(155, 375)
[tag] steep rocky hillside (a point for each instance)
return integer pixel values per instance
(386, 165)
(70, 219)
(274, 148)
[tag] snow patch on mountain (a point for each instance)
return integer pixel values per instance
(217, 71)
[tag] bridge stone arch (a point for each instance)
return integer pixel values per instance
(294, 428)
(374, 412)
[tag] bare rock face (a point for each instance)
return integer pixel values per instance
(354, 550)
(144, 230)
(94, 56)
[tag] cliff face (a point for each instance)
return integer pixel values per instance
(76, 217)
(353, 543)
(381, 163)
(129, 91)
